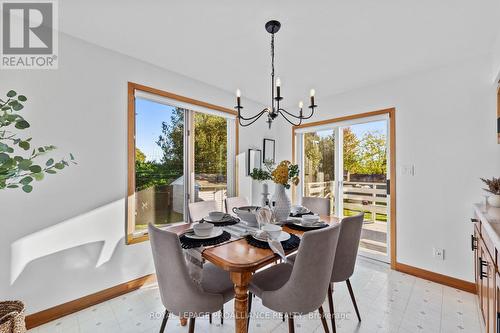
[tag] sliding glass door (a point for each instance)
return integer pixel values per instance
(184, 152)
(210, 158)
(318, 165)
(348, 163)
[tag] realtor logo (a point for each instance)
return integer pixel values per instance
(29, 35)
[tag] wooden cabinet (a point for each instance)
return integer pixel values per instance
(487, 283)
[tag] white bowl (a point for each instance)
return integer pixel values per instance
(310, 219)
(216, 215)
(203, 229)
(272, 229)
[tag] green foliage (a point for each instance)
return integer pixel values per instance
(259, 174)
(210, 150)
(18, 170)
(366, 155)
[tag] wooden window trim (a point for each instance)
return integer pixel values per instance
(392, 133)
(130, 204)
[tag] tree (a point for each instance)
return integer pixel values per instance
(210, 142)
(350, 150)
(172, 141)
(373, 153)
(139, 155)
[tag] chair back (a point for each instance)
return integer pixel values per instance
(347, 247)
(199, 210)
(179, 293)
(306, 288)
(235, 202)
(319, 206)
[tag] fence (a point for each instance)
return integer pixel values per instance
(213, 192)
(357, 196)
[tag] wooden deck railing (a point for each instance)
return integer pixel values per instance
(357, 196)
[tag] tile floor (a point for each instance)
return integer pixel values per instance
(389, 301)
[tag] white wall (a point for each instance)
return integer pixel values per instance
(446, 126)
(66, 239)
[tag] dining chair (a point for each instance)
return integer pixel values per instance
(199, 210)
(235, 202)
(345, 259)
(320, 206)
(179, 293)
(299, 289)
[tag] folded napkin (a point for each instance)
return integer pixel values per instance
(264, 215)
(194, 262)
(274, 244)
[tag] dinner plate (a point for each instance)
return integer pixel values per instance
(314, 225)
(284, 236)
(228, 218)
(216, 232)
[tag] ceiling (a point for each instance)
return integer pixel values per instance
(332, 46)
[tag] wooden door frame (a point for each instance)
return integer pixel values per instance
(392, 148)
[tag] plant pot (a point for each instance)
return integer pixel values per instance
(282, 204)
(494, 200)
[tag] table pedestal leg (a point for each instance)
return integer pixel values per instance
(241, 281)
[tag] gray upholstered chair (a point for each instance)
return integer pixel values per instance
(345, 259)
(235, 202)
(300, 288)
(179, 293)
(319, 206)
(199, 210)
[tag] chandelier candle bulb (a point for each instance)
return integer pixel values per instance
(313, 92)
(278, 87)
(238, 98)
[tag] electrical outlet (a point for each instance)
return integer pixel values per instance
(438, 253)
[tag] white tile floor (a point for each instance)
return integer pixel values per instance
(389, 301)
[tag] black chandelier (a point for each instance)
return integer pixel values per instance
(274, 110)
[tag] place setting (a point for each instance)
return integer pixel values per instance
(271, 236)
(220, 219)
(302, 219)
(203, 234)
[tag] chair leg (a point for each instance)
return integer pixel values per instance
(209, 318)
(353, 299)
(283, 316)
(332, 311)
(191, 325)
(249, 309)
(291, 324)
(164, 321)
(323, 319)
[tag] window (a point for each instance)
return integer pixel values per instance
(180, 150)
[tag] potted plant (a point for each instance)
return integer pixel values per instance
(493, 188)
(19, 166)
(283, 176)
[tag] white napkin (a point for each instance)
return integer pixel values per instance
(194, 262)
(264, 215)
(274, 244)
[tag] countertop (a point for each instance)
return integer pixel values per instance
(490, 218)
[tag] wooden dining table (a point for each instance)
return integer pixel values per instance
(242, 260)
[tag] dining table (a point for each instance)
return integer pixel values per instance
(242, 260)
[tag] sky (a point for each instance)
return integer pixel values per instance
(148, 119)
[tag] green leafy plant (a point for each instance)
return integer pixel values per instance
(19, 170)
(493, 185)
